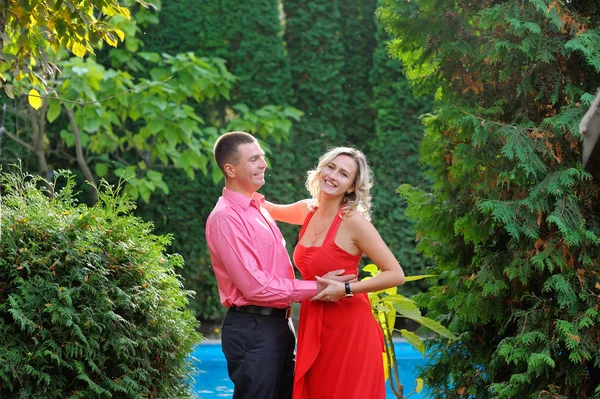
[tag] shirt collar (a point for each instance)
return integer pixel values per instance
(242, 200)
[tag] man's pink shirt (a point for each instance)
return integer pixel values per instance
(248, 255)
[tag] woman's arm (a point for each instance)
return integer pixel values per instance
(289, 213)
(368, 240)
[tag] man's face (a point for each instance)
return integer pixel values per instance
(250, 168)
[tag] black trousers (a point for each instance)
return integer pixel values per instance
(261, 355)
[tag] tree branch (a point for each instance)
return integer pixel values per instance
(80, 157)
(11, 136)
(82, 103)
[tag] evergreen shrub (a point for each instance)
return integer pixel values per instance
(511, 219)
(90, 303)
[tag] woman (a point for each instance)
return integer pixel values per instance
(340, 344)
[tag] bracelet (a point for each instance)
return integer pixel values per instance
(349, 293)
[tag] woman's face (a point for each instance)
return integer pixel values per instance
(338, 176)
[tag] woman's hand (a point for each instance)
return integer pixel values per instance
(332, 292)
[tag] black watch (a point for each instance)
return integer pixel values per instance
(349, 293)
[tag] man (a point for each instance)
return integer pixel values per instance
(255, 276)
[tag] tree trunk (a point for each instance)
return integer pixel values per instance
(80, 157)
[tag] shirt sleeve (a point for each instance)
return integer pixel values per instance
(240, 258)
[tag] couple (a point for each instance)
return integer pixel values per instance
(340, 344)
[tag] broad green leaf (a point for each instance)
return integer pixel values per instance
(406, 307)
(154, 175)
(414, 340)
(34, 99)
(163, 186)
(436, 327)
(101, 169)
(53, 111)
(67, 137)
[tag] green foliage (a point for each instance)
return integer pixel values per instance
(511, 219)
(324, 68)
(387, 306)
(184, 211)
(397, 121)
(316, 57)
(32, 32)
(248, 36)
(90, 304)
(359, 43)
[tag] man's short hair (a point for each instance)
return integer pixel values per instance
(226, 148)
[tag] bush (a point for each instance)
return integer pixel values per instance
(90, 304)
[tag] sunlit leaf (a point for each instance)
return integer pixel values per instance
(34, 99)
(419, 386)
(415, 278)
(371, 268)
(407, 308)
(78, 49)
(111, 40)
(120, 33)
(386, 371)
(124, 11)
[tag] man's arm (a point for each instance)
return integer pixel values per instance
(289, 213)
(242, 263)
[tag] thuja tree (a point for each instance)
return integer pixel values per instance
(397, 121)
(90, 303)
(512, 220)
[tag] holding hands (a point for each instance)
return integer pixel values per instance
(330, 287)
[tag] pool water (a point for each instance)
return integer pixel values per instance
(211, 380)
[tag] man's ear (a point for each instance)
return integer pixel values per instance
(229, 170)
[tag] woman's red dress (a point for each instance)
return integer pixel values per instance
(340, 344)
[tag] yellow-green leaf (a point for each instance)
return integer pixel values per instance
(415, 278)
(110, 39)
(120, 33)
(124, 11)
(419, 386)
(78, 49)
(110, 11)
(371, 268)
(2, 77)
(34, 99)
(414, 340)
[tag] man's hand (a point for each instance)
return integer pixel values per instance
(333, 290)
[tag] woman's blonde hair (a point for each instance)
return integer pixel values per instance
(358, 200)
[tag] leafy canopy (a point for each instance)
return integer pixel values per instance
(33, 31)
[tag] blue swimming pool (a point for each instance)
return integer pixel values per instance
(212, 381)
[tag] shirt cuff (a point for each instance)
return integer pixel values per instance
(304, 290)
